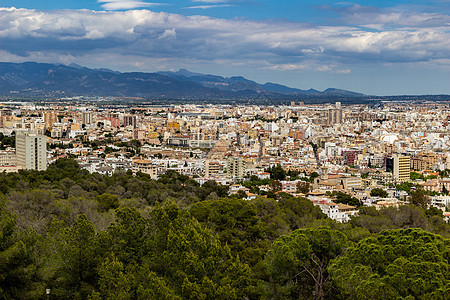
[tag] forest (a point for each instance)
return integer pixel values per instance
(69, 234)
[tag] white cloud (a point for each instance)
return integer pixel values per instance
(343, 71)
(168, 34)
(124, 4)
(144, 35)
(378, 18)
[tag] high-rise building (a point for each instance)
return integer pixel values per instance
(400, 166)
(31, 151)
(236, 168)
(50, 118)
(87, 118)
(130, 121)
(334, 116)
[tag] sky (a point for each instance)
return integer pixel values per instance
(373, 47)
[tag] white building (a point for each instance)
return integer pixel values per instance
(31, 151)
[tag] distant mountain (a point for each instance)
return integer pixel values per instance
(237, 83)
(339, 92)
(31, 79)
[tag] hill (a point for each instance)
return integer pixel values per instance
(40, 79)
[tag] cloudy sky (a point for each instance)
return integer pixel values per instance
(374, 47)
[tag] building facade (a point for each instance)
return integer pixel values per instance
(31, 151)
(402, 166)
(236, 168)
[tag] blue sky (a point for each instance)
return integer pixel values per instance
(373, 47)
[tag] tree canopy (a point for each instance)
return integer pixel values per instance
(125, 236)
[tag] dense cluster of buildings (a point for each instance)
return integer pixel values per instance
(353, 148)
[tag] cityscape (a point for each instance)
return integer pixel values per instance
(224, 149)
(331, 148)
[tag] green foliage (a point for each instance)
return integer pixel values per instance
(275, 186)
(314, 175)
(340, 197)
(107, 202)
(276, 172)
(445, 173)
(378, 192)
(434, 211)
(419, 198)
(79, 259)
(91, 236)
(236, 223)
(405, 186)
(299, 212)
(396, 263)
(405, 216)
(6, 142)
(303, 187)
(297, 263)
(415, 176)
(16, 257)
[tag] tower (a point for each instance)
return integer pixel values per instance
(31, 151)
(87, 118)
(402, 166)
(236, 167)
(50, 118)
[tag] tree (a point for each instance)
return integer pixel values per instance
(378, 192)
(277, 172)
(396, 264)
(405, 186)
(345, 198)
(192, 259)
(299, 212)
(241, 194)
(444, 190)
(415, 176)
(17, 271)
(405, 216)
(275, 186)
(297, 263)
(434, 211)
(107, 202)
(419, 198)
(80, 254)
(114, 282)
(236, 224)
(303, 187)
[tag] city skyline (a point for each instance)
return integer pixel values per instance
(372, 47)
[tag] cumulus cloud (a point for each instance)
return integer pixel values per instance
(146, 36)
(168, 34)
(380, 18)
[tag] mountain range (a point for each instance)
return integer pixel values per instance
(40, 79)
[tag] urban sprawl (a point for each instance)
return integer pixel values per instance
(371, 154)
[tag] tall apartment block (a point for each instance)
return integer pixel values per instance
(31, 151)
(335, 114)
(400, 166)
(86, 118)
(236, 167)
(130, 121)
(50, 118)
